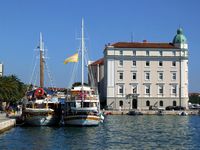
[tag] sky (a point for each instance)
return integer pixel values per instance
(106, 21)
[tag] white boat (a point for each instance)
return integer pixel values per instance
(182, 113)
(40, 107)
(82, 103)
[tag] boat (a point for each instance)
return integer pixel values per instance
(183, 113)
(82, 103)
(134, 113)
(41, 106)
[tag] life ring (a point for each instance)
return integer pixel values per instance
(39, 92)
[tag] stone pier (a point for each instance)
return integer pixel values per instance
(6, 123)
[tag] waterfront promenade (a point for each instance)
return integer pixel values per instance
(151, 112)
(6, 123)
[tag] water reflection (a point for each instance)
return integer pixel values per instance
(118, 132)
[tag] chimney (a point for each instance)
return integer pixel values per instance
(144, 41)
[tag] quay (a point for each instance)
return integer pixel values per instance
(151, 112)
(6, 123)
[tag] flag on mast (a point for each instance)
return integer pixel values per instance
(73, 58)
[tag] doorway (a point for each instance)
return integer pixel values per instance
(134, 103)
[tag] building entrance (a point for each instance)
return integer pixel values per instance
(134, 103)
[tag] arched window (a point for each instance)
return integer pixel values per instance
(174, 103)
(161, 103)
(147, 103)
(121, 103)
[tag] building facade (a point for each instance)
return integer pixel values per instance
(96, 77)
(144, 75)
(1, 69)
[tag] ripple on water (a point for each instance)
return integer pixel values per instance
(117, 132)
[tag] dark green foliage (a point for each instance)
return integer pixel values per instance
(78, 84)
(11, 88)
(194, 99)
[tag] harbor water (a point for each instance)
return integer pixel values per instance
(117, 132)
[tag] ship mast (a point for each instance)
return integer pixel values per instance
(41, 62)
(82, 51)
(82, 54)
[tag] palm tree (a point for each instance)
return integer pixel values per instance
(11, 88)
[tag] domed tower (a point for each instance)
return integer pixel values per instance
(180, 42)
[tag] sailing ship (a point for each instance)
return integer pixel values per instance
(41, 107)
(82, 103)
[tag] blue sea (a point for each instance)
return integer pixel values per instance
(118, 132)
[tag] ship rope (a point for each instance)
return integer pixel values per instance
(74, 72)
(49, 75)
(90, 71)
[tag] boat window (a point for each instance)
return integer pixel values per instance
(86, 104)
(94, 105)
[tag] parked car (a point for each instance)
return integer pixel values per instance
(175, 108)
(169, 108)
(179, 108)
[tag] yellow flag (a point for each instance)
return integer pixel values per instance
(73, 58)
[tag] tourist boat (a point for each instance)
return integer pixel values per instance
(41, 107)
(82, 102)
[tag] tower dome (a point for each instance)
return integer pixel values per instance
(179, 37)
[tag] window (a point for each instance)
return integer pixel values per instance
(121, 76)
(121, 103)
(174, 63)
(121, 52)
(147, 63)
(134, 63)
(160, 63)
(147, 53)
(134, 53)
(161, 103)
(134, 76)
(147, 103)
(121, 63)
(121, 89)
(147, 89)
(134, 89)
(160, 76)
(160, 89)
(174, 89)
(161, 53)
(174, 103)
(174, 76)
(147, 76)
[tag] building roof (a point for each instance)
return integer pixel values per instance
(143, 45)
(99, 61)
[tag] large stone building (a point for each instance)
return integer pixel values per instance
(1, 69)
(143, 75)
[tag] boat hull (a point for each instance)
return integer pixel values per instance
(41, 120)
(38, 118)
(82, 120)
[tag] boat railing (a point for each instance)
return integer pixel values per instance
(87, 97)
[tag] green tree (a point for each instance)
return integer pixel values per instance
(194, 98)
(78, 84)
(11, 88)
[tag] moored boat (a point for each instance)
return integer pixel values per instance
(82, 109)
(41, 107)
(82, 103)
(183, 113)
(40, 111)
